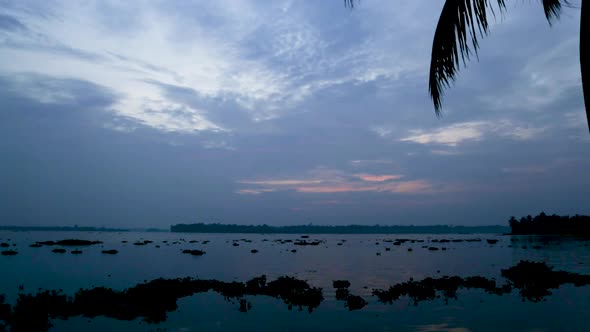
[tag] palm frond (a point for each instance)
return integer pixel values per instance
(585, 56)
(350, 3)
(552, 8)
(460, 24)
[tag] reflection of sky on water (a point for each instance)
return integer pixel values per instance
(355, 260)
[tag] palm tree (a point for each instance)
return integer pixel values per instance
(460, 25)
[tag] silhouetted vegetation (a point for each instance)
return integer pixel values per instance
(533, 280)
(152, 300)
(352, 302)
(320, 229)
(551, 225)
(61, 229)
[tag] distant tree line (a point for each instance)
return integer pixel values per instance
(319, 229)
(551, 225)
(61, 228)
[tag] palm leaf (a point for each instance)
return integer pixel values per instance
(552, 8)
(456, 38)
(585, 56)
(350, 3)
(460, 24)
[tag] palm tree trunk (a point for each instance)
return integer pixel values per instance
(585, 55)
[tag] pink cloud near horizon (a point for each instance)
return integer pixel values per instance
(378, 178)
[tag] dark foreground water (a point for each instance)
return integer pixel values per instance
(361, 259)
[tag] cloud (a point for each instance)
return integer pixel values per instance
(267, 59)
(282, 182)
(10, 23)
(474, 131)
(378, 178)
(363, 163)
(324, 181)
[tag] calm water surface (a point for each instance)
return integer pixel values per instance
(356, 260)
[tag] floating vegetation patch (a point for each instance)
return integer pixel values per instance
(151, 301)
(67, 242)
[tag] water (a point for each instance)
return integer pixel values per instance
(355, 260)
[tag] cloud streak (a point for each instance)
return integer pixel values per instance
(330, 181)
(465, 132)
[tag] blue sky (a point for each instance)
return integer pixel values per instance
(144, 114)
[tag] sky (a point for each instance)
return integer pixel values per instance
(151, 113)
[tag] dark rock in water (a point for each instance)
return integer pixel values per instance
(492, 241)
(397, 243)
(537, 247)
(235, 244)
(76, 252)
(126, 241)
(305, 236)
(387, 249)
(206, 241)
(58, 251)
(157, 246)
(4, 245)
(339, 243)
(457, 240)
(293, 250)
(306, 243)
(35, 245)
(341, 283)
(193, 241)
(110, 252)
(141, 243)
(410, 249)
(432, 248)
(378, 254)
(253, 251)
(69, 242)
(9, 253)
(193, 252)
(444, 241)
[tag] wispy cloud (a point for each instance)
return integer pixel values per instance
(266, 58)
(474, 131)
(322, 180)
(378, 178)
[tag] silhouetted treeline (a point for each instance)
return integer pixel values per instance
(317, 229)
(551, 225)
(61, 228)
